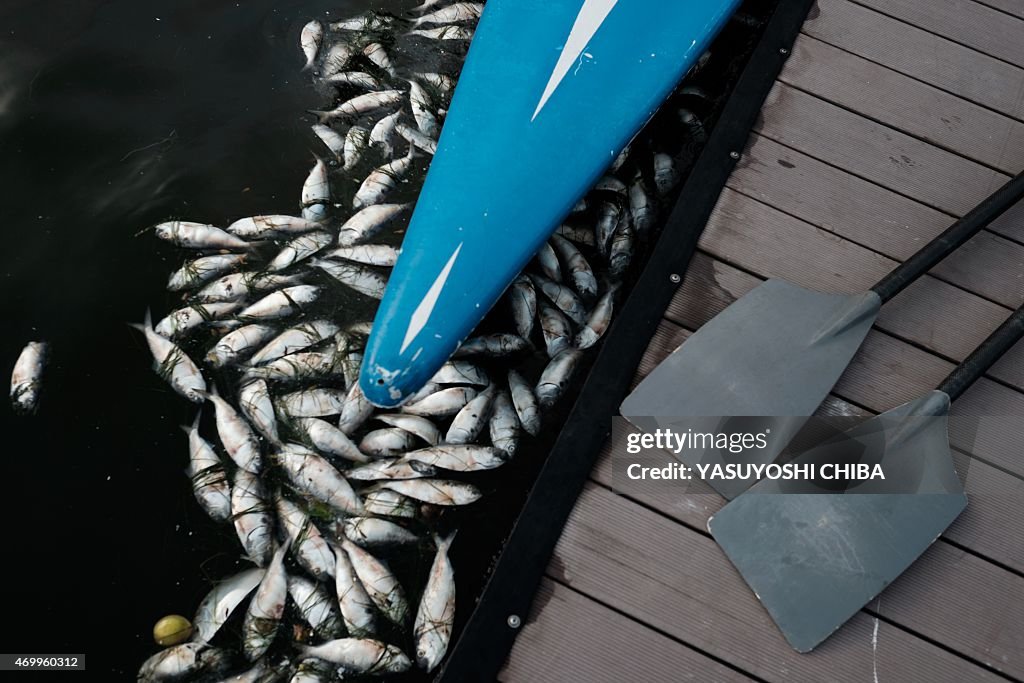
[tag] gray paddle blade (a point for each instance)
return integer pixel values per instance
(774, 353)
(815, 559)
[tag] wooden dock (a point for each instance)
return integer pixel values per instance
(891, 119)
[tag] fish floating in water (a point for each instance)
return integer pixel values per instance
(323, 489)
(27, 378)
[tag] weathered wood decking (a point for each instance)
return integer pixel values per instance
(891, 118)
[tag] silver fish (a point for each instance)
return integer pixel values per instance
(356, 140)
(389, 504)
(443, 83)
(218, 605)
(498, 344)
(350, 366)
(356, 411)
(390, 468)
(441, 403)
(383, 132)
(251, 515)
(237, 286)
(294, 339)
(362, 280)
(295, 366)
(316, 606)
(665, 174)
(461, 372)
(306, 542)
(203, 269)
(209, 479)
(415, 136)
(435, 617)
(313, 671)
(182, 321)
(422, 110)
(577, 235)
(434, 491)
(620, 159)
(367, 222)
(182, 661)
(328, 439)
(331, 138)
(641, 207)
(556, 329)
(235, 434)
(415, 425)
(369, 21)
(609, 216)
(236, 345)
(452, 14)
(597, 321)
(314, 476)
(312, 402)
(265, 609)
(504, 425)
(316, 189)
(382, 255)
(26, 379)
(563, 297)
(582, 276)
(381, 182)
(387, 442)
(556, 376)
(426, 390)
(376, 53)
(356, 79)
(301, 248)
(360, 656)
(470, 422)
(198, 236)
(621, 252)
(548, 262)
(523, 301)
(611, 184)
(459, 457)
(264, 227)
(336, 59)
(254, 400)
(525, 403)
(281, 304)
(370, 531)
(357, 609)
(363, 104)
(444, 33)
(310, 39)
(381, 585)
(169, 362)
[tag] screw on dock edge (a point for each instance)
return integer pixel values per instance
(674, 277)
(783, 51)
(734, 154)
(514, 621)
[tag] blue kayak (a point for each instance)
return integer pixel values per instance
(551, 92)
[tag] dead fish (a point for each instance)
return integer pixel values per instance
(383, 132)
(382, 181)
(328, 439)
(620, 159)
(597, 321)
(665, 174)
(621, 252)
(609, 216)
(376, 53)
(357, 609)
(350, 366)
(389, 469)
(254, 400)
(236, 345)
(612, 184)
(235, 435)
(580, 206)
(435, 617)
(301, 248)
(434, 491)
(459, 457)
(381, 255)
(360, 656)
(563, 297)
(238, 286)
(422, 112)
(356, 141)
(444, 33)
(380, 584)
(427, 4)
(369, 21)
(498, 344)
(209, 479)
(27, 377)
(426, 390)
(415, 136)
(367, 222)
(580, 273)
(294, 339)
(470, 422)
(356, 411)
(415, 425)
(306, 542)
(452, 14)
(182, 321)
(443, 83)
(460, 372)
(504, 425)
(523, 302)
(281, 304)
(389, 504)
(316, 606)
(265, 227)
(370, 531)
(218, 605)
(556, 376)
(525, 403)
(641, 207)
(182, 661)
(169, 361)
(198, 236)
(387, 442)
(548, 262)
(316, 189)
(312, 402)
(362, 104)
(441, 403)
(577, 235)
(203, 269)
(356, 79)
(556, 329)
(296, 366)
(336, 59)
(310, 38)
(313, 671)
(251, 515)
(362, 280)
(331, 138)
(265, 609)
(314, 476)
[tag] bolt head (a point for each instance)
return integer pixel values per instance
(734, 155)
(514, 621)
(783, 50)
(675, 278)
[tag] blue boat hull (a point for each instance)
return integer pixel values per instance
(551, 92)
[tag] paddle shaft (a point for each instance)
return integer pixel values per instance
(950, 240)
(983, 357)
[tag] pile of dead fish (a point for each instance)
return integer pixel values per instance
(325, 492)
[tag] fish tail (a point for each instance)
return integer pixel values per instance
(322, 116)
(444, 543)
(188, 429)
(146, 324)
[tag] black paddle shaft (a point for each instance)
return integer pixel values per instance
(954, 237)
(983, 357)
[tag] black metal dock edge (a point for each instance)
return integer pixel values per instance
(487, 638)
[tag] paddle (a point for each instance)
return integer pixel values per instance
(778, 350)
(814, 559)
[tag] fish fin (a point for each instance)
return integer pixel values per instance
(444, 543)
(321, 116)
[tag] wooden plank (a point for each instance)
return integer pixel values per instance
(964, 21)
(569, 637)
(1011, 7)
(878, 153)
(677, 580)
(906, 104)
(922, 55)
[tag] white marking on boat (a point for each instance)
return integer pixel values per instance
(422, 313)
(588, 21)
